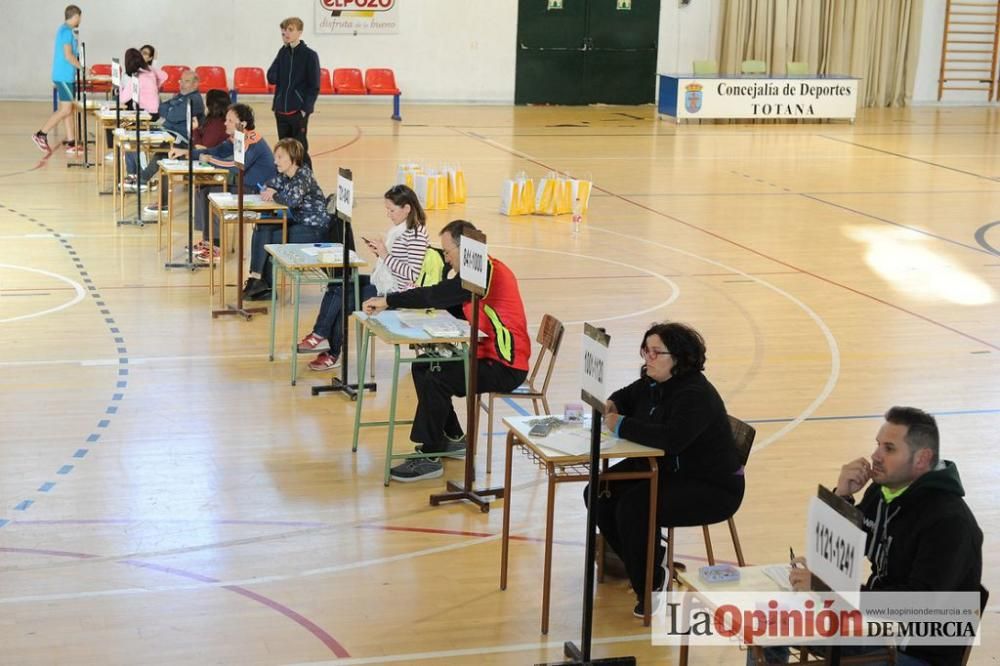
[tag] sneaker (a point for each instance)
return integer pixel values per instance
(259, 296)
(41, 140)
(109, 156)
(323, 362)
(657, 599)
(152, 213)
(457, 446)
(74, 149)
(131, 187)
(254, 286)
(313, 342)
(417, 469)
(206, 254)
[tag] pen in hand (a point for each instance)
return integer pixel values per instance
(791, 558)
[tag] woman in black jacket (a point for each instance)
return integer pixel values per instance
(672, 406)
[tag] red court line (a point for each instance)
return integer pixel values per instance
(329, 641)
(513, 537)
(357, 136)
(749, 249)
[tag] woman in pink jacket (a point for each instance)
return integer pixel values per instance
(150, 80)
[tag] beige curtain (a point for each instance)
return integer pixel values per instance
(875, 40)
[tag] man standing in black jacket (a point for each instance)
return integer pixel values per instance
(295, 75)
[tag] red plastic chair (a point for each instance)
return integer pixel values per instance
(211, 77)
(325, 86)
(347, 81)
(383, 82)
(99, 86)
(250, 81)
(173, 82)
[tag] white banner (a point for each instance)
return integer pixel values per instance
(595, 362)
(345, 195)
(835, 548)
(473, 266)
(765, 98)
(239, 148)
(357, 17)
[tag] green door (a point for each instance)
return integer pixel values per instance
(589, 51)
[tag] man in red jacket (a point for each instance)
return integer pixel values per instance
(502, 357)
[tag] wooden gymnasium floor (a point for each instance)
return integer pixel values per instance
(169, 498)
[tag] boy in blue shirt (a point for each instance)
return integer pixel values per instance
(65, 62)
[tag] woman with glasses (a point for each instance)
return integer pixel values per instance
(672, 406)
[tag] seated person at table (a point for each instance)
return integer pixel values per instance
(398, 262)
(672, 406)
(921, 534)
(207, 134)
(173, 113)
(503, 353)
(308, 221)
(258, 169)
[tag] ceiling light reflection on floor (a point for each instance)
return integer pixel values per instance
(902, 258)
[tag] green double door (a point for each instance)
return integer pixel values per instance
(589, 51)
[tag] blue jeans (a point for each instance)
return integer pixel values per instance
(329, 323)
(268, 234)
(779, 655)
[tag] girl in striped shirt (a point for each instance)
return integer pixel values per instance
(398, 260)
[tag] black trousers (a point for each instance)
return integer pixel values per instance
(437, 384)
(294, 126)
(623, 516)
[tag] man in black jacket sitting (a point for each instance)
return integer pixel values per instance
(922, 536)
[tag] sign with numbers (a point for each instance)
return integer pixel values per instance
(472, 269)
(116, 73)
(835, 547)
(239, 148)
(595, 362)
(345, 193)
(134, 83)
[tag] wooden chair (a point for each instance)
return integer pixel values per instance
(549, 339)
(744, 435)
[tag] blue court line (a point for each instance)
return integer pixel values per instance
(118, 396)
(516, 407)
(849, 417)
(93, 437)
(23, 505)
(103, 423)
(80, 453)
(122, 384)
(46, 487)
(65, 469)
(3, 521)
(111, 410)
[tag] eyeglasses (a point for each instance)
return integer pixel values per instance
(653, 354)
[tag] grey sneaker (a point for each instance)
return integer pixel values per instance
(417, 469)
(453, 448)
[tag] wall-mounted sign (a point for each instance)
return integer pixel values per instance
(357, 17)
(555, 4)
(624, 5)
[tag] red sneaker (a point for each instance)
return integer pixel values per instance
(323, 362)
(313, 342)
